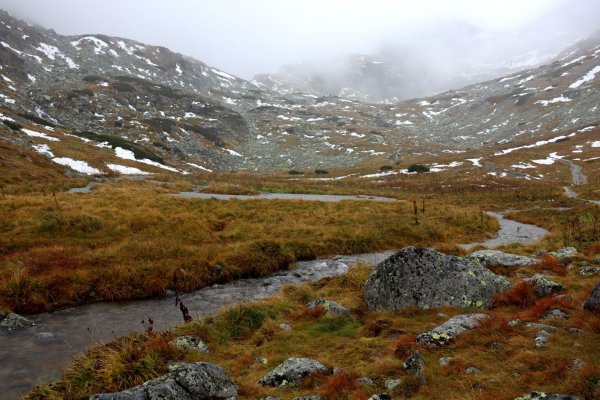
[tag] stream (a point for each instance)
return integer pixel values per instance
(37, 355)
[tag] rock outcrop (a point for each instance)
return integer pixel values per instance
(592, 303)
(498, 258)
(187, 382)
(427, 279)
(292, 371)
(443, 334)
(542, 286)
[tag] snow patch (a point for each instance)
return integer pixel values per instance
(31, 133)
(77, 165)
(122, 169)
(586, 78)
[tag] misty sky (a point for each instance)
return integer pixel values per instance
(246, 37)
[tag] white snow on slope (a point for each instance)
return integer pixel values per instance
(560, 99)
(199, 167)
(233, 152)
(43, 149)
(586, 78)
(79, 166)
(31, 133)
(475, 161)
(122, 169)
(536, 144)
(596, 143)
(549, 160)
(128, 155)
(100, 44)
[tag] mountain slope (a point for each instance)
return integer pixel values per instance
(114, 101)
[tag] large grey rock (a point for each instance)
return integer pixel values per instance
(546, 396)
(565, 254)
(330, 307)
(12, 321)
(494, 257)
(292, 371)
(592, 303)
(426, 278)
(187, 382)
(445, 333)
(542, 286)
(588, 271)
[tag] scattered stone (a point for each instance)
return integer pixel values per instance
(546, 396)
(414, 364)
(390, 384)
(338, 371)
(545, 327)
(498, 258)
(12, 321)
(189, 381)
(190, 343)
(380, 396)
(556, 313)
(578, 364)
(271, 398)
(292, 371)
(444, 361)
(365, 381)
(588, 271)
(308, 398)
(445, 333)
(285, 327)
(472, 370)
(514, 322)
(596, 260)
(260, 360)
(541, 340)
(427, 279)
(592, 303)
(565, 254)
(542, 286)
(331, 307)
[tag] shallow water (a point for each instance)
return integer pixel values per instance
(282, 196)
(510, 232)
(37, 355)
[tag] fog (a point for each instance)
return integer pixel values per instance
(248, 37)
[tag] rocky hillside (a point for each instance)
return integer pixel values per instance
(104, 99)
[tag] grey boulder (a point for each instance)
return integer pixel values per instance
(542, 286)
(292, 371)
(592, 303)
(499, 258)
(12, 321)
(588, 271)
(330, 307)
(187, 382)
(565, 254)
(427, 279)
(443, 334)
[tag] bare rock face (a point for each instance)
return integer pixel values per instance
(542, 286)
(292, 371)
(187, 382)
(445, 333)
(593, 301)
(427, 279)
(330, 307)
